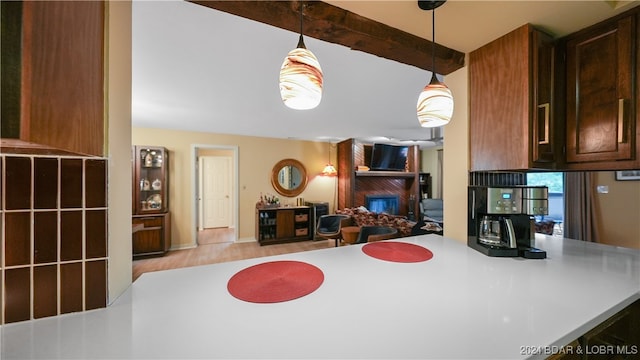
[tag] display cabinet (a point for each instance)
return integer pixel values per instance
(150, 180)
(150, 206)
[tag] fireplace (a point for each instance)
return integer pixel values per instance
(385, 203)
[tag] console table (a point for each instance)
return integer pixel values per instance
(283, 224)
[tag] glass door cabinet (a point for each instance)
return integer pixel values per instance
(151, 222)
(150, 180)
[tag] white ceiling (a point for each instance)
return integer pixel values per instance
(199, 69)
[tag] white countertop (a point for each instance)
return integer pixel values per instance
(460, 304)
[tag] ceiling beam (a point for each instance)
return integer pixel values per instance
(332, 24)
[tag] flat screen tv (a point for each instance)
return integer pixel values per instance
(385, 157)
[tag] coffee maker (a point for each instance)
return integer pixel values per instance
(501, 219)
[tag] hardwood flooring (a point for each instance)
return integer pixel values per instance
(218, 251)
(215, 236)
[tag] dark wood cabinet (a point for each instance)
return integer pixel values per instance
(545, 142)
(512, 124)
(619, 335)
(150, 208)
(52, 65)
(601, 95)
(283, 224)
(150, 180)
(152, 234)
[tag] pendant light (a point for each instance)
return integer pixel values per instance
(435, 102)
(301, 76)
(329, 169)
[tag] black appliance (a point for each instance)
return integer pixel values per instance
(318, 208)
(501, 219)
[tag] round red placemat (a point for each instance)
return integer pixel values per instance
(397, 251)
(275, 281)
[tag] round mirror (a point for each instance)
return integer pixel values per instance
(289, 177)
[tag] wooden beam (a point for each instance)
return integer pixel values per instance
(332, 24)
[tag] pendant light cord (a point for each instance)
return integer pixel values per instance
(433, 45)
(300, 40)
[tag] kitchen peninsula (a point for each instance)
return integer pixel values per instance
(458, 304)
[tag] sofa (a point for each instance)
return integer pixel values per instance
(360, 216)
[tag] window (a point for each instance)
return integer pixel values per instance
(555, 182)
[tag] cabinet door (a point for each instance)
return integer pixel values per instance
(600, 92)
(149, 239)
(543, 142)
(53, 74)
(499, 103)
(286, 224)
(150, 180)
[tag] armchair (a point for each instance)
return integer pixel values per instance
(330, 226)
(376, 233)
(431, 210)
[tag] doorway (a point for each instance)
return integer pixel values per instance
(215, 193)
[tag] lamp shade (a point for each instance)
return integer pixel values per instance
(301, 80)
(329, 170)
(435, 104)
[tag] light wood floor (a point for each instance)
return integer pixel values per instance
(220, 250)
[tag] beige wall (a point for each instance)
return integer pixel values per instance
(257, 156)
(456, 159)
(619, 211)
(429, 164)
(118, 122)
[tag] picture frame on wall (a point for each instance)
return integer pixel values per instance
(628, 175)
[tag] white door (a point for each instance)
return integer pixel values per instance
(216, 191)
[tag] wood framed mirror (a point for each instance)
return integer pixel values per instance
(289, 177)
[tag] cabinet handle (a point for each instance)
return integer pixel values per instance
(545, 140)
(620, 121)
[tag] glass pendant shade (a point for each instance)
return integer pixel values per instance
(435, 104)
(329, 170)
(301, 80)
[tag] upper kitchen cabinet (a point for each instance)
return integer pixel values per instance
(602, 98)
(52, 65)
(511, 81)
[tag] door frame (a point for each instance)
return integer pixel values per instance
(195, 183)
